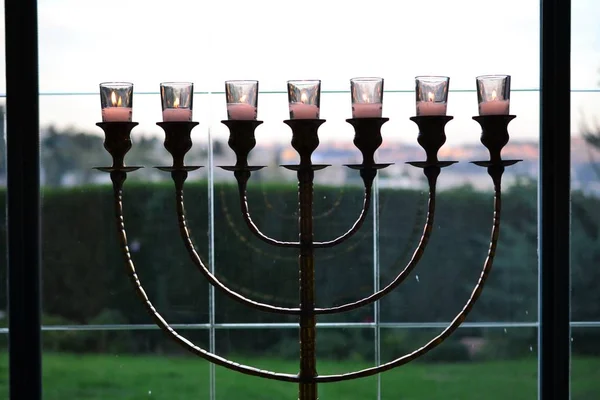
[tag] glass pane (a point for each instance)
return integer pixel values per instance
(585, 201)
(585, 219)
(85, 282)
(268, 349)
(499, 364)
(503, 320)
(85, 279)
(270, 274)
(454, 256)
(338, 350)
(121, 364)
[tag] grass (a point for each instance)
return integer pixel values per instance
(115, 377)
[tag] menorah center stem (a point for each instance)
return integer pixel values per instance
(308, 367)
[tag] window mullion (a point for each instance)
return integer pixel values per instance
(554, 201)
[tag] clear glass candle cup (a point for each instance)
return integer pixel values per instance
(242, 99)
(367, 97)
(116, 100)
(432, 94)
(493, 94)
(304, 98)
(177, 101)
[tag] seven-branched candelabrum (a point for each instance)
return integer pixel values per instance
(305, 141)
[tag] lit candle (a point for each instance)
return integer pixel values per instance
(494, 106)
(366, 110)
(367, 97)
(241, 111)
(176, 113)
(116, 112)
(431, 107)
(302, 110)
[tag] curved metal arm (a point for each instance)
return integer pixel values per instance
(118, 177)
(242, 189)
(458, 320)
(416, 257)
(357, 224)
(212, 279)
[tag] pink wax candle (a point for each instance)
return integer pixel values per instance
(366, 110)
(494, 107)
(241, 111)
(177, 114)
(431, 108)
(304, 111)
(116, 114)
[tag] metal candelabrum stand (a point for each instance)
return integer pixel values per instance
(305, 141)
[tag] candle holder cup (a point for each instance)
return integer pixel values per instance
(305, 138)
(431, 137)
(117, 141)
(177, 100)
(116, 101)
(367, 97)
(431, 95)
(241, 140)
(493, 94)
(494, 136)
(242, 99)
(178, 142)
(304, 99)
(367, 139)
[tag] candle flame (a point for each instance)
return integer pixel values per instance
(113, 99)
(431, 96)
(303, 97)
(494, 95)
(365, 98)
(176, 102)
(243, 98)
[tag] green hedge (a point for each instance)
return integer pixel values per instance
(84, 280)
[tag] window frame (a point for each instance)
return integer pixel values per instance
(23, 199)
(554, 197)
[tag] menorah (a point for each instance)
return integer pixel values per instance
(304, 125)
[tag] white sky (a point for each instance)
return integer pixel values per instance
(83, 43)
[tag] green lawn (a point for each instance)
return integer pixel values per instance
(95, 377)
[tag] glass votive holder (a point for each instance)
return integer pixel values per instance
(116, 100)
(432, 94)
(493, 94)
(242, 99)
(304, 99)
(367, 97)
(177, 101)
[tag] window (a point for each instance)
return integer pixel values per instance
(89, 306)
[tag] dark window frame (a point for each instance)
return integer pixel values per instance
(23, 199)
